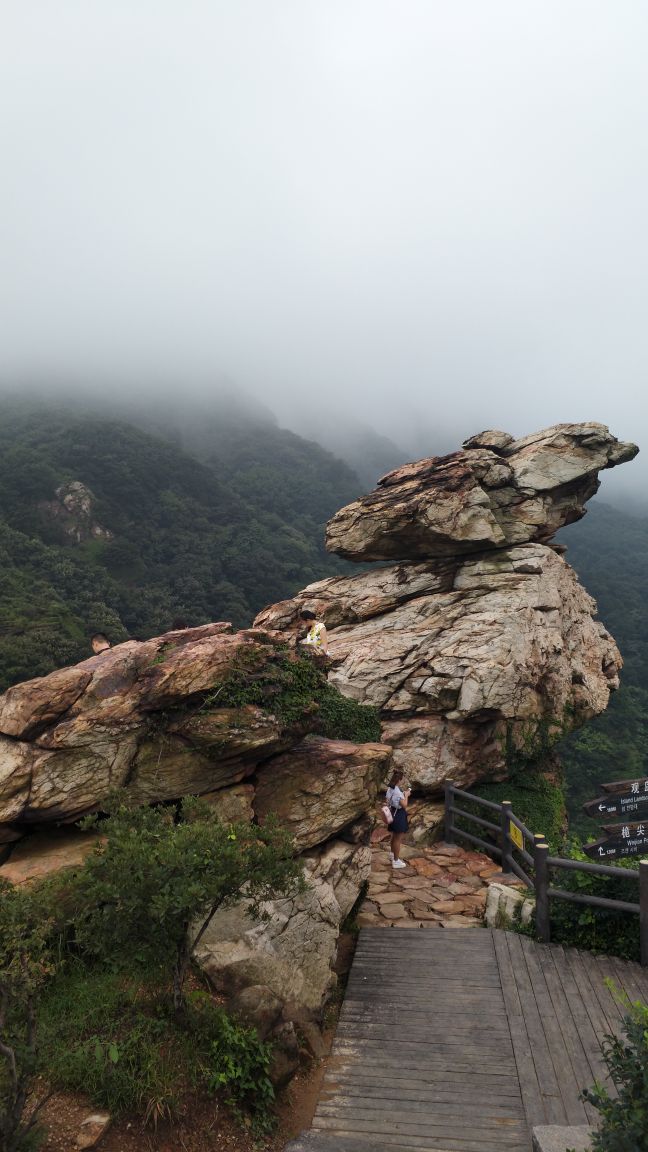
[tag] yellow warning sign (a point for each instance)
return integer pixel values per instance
(516, 835)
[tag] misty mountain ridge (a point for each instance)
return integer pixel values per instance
(169, 536)
(201, 511)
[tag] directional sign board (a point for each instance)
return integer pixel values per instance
(634, 787)
(621, 804)
(625, 799)
(624, 840)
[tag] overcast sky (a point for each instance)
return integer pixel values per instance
(428, 214)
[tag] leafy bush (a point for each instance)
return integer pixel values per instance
(239, 1066)
(149, 894)
(111, 1036)
(26, 963)
(537, 801)
(624, 1125)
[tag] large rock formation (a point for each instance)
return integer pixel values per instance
(151, 718)
(481, 633)
(496, 492)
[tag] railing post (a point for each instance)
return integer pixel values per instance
(643, 911)
(540, 854)
(505, 832)
(449, 814)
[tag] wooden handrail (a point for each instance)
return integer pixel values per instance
(542, 863)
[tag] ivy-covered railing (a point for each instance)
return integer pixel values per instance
(511, 844)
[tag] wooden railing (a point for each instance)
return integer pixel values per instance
(510, 848)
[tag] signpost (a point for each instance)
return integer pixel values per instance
(626, 799)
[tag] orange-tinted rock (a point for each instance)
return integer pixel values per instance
(42, 855)
(320, 786)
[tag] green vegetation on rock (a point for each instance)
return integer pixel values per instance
(295, 689)
(94, 965)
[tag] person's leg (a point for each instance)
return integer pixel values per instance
(396, 844)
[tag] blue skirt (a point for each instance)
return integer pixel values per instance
(399, 823)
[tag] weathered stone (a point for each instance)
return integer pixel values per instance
(168, 767)
(320, 786)
(481, 497)
(92, 1129)
(232, 804)
(247, 734)
(562, 1138)
(481, 630)
(505, 906)
(72, 782)
(16, 761)
(27, 707)
(285, 1054)
(293, 951)
(257, 1007)
(201, 665)
(41, 855)
(9, 834)
(450, 672)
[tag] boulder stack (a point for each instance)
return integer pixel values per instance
(477, 633)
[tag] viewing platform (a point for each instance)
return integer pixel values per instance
(464, 1041)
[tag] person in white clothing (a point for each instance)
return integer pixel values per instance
(397, 799)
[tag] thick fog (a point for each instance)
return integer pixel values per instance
(426, 216)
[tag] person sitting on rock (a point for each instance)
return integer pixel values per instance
(397, 799)
(99, 643)
(316, 640)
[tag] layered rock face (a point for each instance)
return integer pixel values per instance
(146, 717)
(481, 630)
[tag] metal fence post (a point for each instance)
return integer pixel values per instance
(505, 832)
(643, 911)
(449, 814)
(540, 854)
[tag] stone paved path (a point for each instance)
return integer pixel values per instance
(443, 885)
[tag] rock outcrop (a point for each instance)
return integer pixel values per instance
(481, 634)
(496, 492)
(152, 718)
(73, 509)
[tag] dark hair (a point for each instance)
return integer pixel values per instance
(396, 775)
(307, 614)
(99, 636)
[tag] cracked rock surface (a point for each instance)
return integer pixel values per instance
(481, 632)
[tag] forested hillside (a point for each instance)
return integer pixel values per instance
(609, 550)
(172, 537)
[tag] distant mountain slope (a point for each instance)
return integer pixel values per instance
(169, 536)
(609, 550)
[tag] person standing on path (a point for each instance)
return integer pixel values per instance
(397, 799)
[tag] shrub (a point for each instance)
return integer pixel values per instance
(596, 929)
(149, 894)
(111, 1036)
(239, 1066)
(624, 1123)
(26, 963)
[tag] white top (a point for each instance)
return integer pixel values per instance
(394, 797)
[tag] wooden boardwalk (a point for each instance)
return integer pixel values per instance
(463, 1040)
